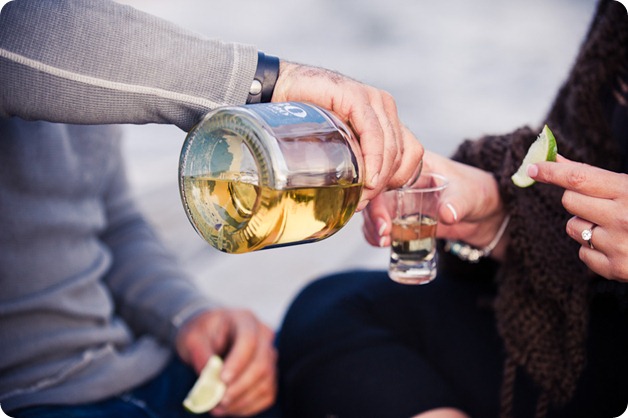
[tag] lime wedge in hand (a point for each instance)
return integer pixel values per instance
(543, 149)
(208, 389)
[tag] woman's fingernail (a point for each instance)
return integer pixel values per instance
(382, 241)
(532, 170)
(362, 205)
(381, 226)
(453, 211)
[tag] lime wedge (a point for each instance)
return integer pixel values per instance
(208, 389)
(543, 149)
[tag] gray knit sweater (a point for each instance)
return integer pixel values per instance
(90, 301)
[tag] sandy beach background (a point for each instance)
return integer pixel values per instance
(458, 69)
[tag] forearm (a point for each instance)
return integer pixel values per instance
(96, 61)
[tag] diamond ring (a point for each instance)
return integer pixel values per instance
(587, 234)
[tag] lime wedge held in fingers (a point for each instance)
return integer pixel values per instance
(543, 149)
(208, 389)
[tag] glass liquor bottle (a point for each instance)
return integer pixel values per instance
(268, 175)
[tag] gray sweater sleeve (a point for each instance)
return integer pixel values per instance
(100, 62)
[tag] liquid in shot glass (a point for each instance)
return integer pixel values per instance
(414, 213)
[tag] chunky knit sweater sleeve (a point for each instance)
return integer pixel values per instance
(543, 287)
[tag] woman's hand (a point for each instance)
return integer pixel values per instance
(598, 199)
(246, 345)
(471, 209)
(392, 154)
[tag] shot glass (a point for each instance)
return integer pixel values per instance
(414, 214)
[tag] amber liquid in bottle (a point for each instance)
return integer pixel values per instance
(256, 217)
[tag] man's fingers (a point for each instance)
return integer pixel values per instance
(254, 395)
(375, 143)
(245, 339)
(408, 168)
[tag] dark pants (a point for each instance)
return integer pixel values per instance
(359, 345)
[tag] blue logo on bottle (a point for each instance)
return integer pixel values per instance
(290, 113)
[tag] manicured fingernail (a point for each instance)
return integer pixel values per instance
(453, 211)
(382, 241)
(362, 205)
(381, 226)
(532, 170)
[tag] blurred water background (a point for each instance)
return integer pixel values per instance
(458, 69)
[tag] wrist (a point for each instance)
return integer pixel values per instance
(265, 78)
(495, 248)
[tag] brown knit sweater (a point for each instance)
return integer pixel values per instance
(541, 305)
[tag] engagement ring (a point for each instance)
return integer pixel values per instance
(587, 234)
